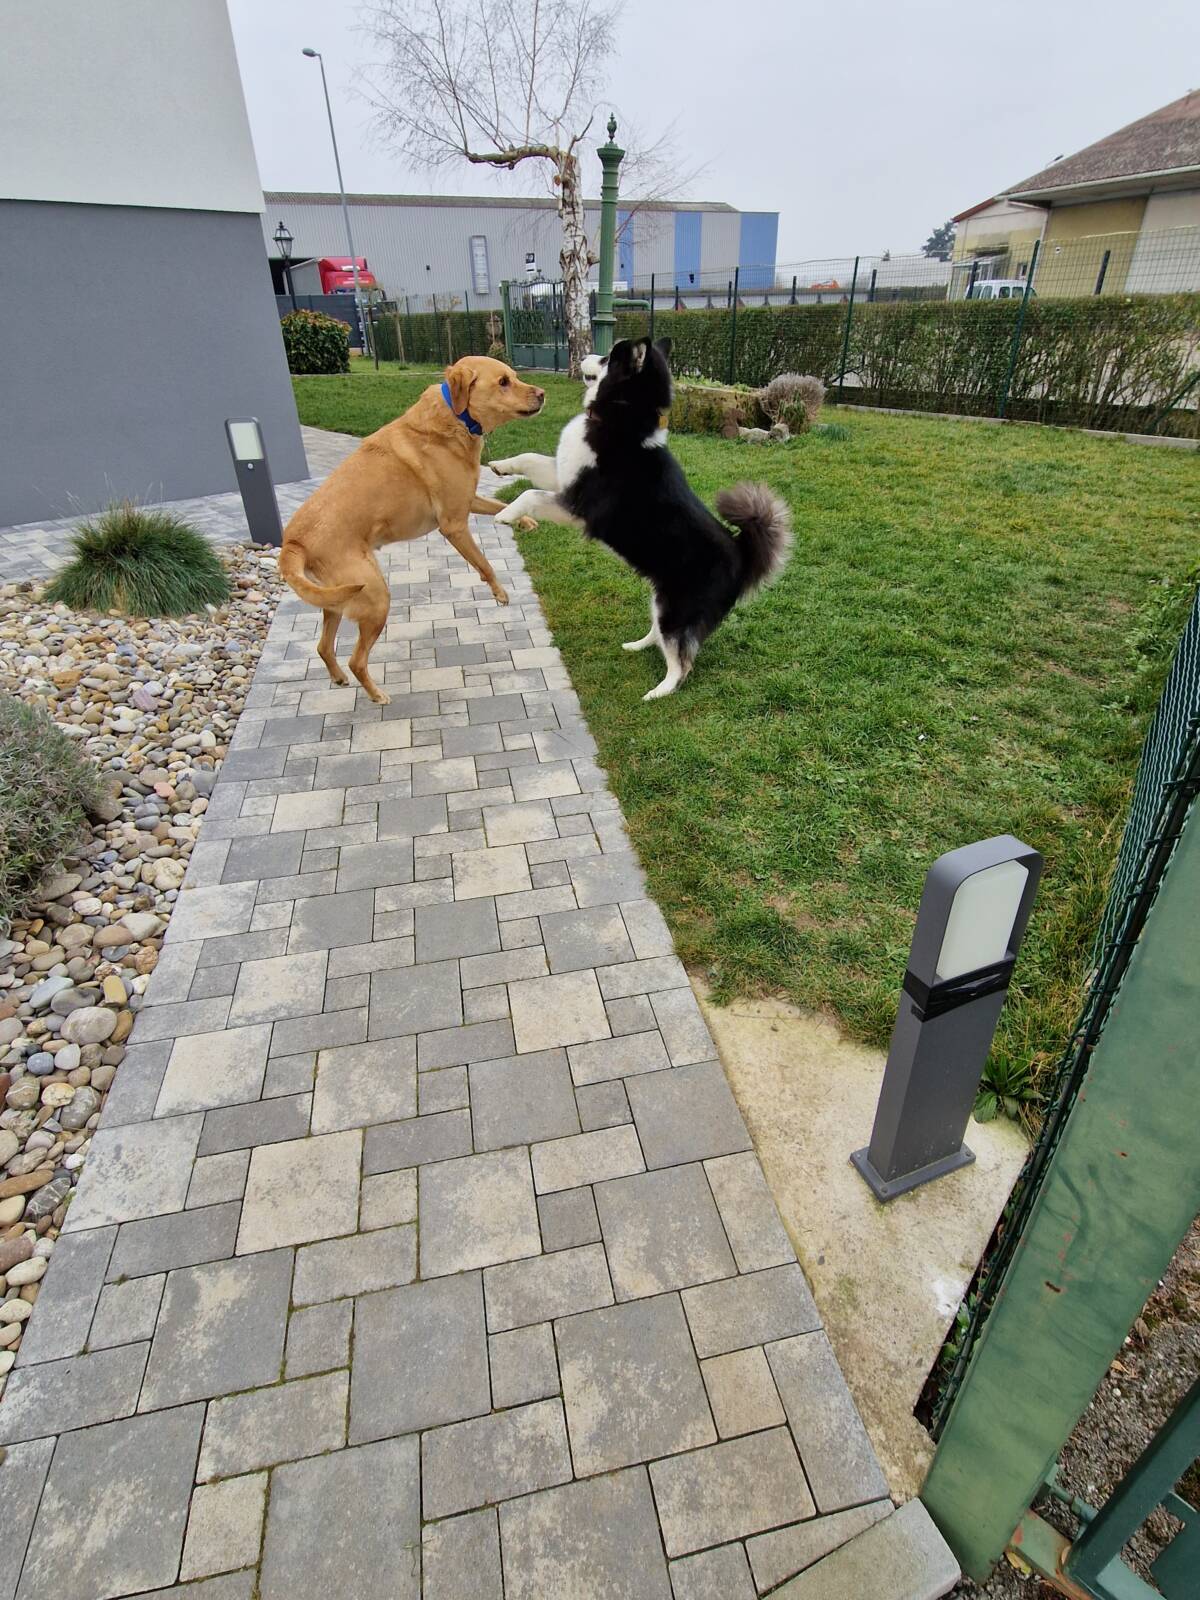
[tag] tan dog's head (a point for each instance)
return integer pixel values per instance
(491, 392)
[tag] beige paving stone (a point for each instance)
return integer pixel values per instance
(301, 1190)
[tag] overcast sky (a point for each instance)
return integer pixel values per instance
(862, 122)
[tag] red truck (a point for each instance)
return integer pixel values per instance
(336, 275)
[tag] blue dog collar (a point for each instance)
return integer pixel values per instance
(465, 417)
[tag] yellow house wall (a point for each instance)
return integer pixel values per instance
(1076, 239)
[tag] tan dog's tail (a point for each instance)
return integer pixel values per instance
(291, 570)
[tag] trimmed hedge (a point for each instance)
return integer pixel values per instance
(315, 343)
(1108, 363)
(426, 337)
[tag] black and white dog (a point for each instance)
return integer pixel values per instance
(615, 475)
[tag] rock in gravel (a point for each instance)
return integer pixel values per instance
(49, 1197)
(13, 1252)
(73, 999)
(9, 1145)
(32, 1270)
(68, 1058)
(91, 1025)
(85, 1104)
(12, 1210)
(23, 1095)
(15, 1311)
(45, 991)
(40, 1063)
(10, 1029)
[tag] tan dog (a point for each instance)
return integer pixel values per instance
(415, 474)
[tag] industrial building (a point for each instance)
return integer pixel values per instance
(467, 246)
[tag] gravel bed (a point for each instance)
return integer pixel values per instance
(153, 704)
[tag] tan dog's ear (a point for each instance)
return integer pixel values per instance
(461, 378)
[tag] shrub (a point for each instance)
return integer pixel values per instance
(793, 399)
(143, 562)
(315, 343)
(703, 408)
(46, 789)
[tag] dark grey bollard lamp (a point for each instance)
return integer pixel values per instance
(973, 913)
(254, 479)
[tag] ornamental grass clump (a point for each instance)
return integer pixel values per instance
(46, 790)
(794, 399)
(141, 562)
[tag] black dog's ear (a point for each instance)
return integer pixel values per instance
(663, 346)
(628, 356)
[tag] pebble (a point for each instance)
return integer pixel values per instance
(15, 1311)
(49, 1197)
(90, 1025)
(40, 1063)
(46, 990)
(22, 1096)
(58, 1094)
(10, 1029)
(9, 1145)
(68, 1058)
(13, 1252)
(85, 1104)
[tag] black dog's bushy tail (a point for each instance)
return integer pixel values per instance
(765, 528)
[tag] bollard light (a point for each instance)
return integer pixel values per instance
(254, 479)
(974, 910)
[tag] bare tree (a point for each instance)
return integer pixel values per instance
(499, 83)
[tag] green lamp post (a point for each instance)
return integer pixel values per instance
(610, 160)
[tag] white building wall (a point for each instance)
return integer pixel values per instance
(101, 104)
(1166, 259)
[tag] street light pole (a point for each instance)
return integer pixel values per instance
(358, 304)
(610, 160)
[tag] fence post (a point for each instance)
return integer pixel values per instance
(506, 318)
(733, 300)
(651, 308)
(412, 348)
(971, 279)
(871, 286)
(1002, 405)
(792, 301)
(846, 335)
(437, 332)
(1103, 270)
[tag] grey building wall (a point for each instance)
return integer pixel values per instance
(119, 383)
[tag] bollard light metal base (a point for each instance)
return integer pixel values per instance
(886, 1190)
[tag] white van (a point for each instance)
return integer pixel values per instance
(998, 289)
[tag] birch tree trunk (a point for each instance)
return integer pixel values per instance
(573, 259)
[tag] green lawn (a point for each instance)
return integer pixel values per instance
(950, 654)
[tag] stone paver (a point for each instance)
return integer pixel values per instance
(421, 1230)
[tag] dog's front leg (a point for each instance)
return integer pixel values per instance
(458, 533)
(485, 505)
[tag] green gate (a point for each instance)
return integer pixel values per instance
(535, 325)
(1110, 1188)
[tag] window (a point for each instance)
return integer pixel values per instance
(480, 276)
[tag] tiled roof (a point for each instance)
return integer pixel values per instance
(1168, 140)
(512, 202)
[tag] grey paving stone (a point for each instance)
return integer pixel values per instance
(475, 1463)
(748, 1210)
(586, 1158)
(291, 730)
(331, 921)
(306, 1550)
(405, 819)
(318, 1338)
(780, 1554)
(141, 1170)
(755, 1308)
(520, 1099)
(183, 1016)
(276, 895)
(486, 1005)
(829, 1433)
(729, 1491)
(211, 913)
(206, 1070)
(77, 1392)
(228, 1586)
(301, 1190)
(545, 780)
(224, 1529)
(634, 1015)
(415, 999)
(641, 977)
(602, 1105)
(461, 1556)
(388, 1198)
(268, 1122)
(443, 777)
(421, 1139)
(420, 1358)
(475, 1211)
(686, 1114)
(722, 1574)
(135, 1088)
(368, 866)
(444, 1090)
(221, 1328)
(346, 772)
(128, 1484)
(212, 981)
(741, 1392)
(126, 1313)
(592, 938)
(487, 971)
(312, 808)
(67, 1297)
(372, 957)
(622, 1057)
(477, 1041)
(605, 880)
(237, 947)
(503, 870)
(183, 1239)
(282, 1423)
(585, 1540)
(458, 928)
(324, 1032)
(524, 1365)
(281, 986)
(662, 1231)
(496, 708)
(269, 855)
(903, 1555)
(544, 1287)
(631, 1385)
(518, 824)
(381, 1259)
(364, 1083)
(395, 734)
(682, 1026)
(568, 1218)
(561, 1010)
(647, 928)
(22, 1475)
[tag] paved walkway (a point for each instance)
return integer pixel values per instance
(422, 1248)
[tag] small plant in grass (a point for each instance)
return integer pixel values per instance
(315, 343)
(46, 790)
(794, 399)
(141, 561)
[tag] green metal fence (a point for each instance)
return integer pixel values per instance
(434, 327)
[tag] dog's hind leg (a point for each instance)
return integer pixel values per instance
(650, 638)
(326, 646)
(370, 611)
(679, 655)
